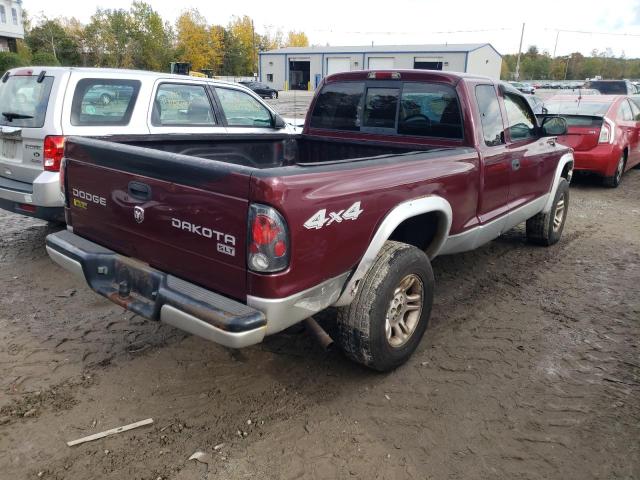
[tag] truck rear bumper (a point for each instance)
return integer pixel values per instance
(157, 295)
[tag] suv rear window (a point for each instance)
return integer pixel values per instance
(412, 108)
(100, 101)
(23, 101)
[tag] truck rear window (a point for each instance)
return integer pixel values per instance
(23, 101)
(608, 88)
(102, 101)
(412, 108)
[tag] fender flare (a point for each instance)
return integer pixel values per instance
(564, 160)
(395, 217)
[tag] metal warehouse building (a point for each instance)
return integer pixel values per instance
(302, 68)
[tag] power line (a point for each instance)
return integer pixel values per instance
(410, 33)
(587, 32)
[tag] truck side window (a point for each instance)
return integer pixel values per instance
(490, 115)
(520, 119)
(429, 110)
(242, 110)
(181, 104)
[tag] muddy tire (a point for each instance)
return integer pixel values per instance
(384, 324)
(546, 228)
(614, 181)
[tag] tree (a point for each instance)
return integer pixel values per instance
(10, 60)
(150, 38)
(44, 59)
(197, 42)
(50, 36)
(271, 39)
(297, 39)
(244, 45)
(109, 40)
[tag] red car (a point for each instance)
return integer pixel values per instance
(603, 131)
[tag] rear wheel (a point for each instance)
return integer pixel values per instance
(614, 181)
(384, 324)
(105, 99)
(546, 228)
(274, 95)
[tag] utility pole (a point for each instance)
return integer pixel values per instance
(253, 44)
(556, 44)
(519, 53)
(566, 68)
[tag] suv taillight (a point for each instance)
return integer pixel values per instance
(268, 245)
(52, 152)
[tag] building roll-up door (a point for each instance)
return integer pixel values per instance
(381, 63)
(427, 63)
(337, 65)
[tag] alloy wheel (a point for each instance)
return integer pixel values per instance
(404, 310)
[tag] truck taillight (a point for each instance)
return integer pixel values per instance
(268, 245)
(606, 132)
(52, 152)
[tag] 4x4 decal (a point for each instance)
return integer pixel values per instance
(320, 218)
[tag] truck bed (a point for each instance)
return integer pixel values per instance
(264, 151)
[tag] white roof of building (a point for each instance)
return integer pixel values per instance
(431, 48)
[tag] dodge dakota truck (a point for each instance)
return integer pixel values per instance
(236, 237)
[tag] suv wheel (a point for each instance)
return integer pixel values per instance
(384, 324)
(274, 95)
(613, 182)
(546, 228)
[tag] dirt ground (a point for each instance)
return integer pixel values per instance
(530, 370)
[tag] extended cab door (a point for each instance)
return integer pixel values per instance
(496, 163)
(533, 159)
(183, 107)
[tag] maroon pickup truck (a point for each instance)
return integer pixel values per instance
(237, 237)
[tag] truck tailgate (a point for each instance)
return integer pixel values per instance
(180, 214)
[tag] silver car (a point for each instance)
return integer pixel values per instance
(40, 106)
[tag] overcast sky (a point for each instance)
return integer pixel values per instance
(616, 23)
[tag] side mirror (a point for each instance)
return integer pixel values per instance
(554, 126)
(278, 122)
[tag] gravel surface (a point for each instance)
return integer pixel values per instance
(530, 370)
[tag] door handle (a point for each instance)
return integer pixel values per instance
(515, 164)
(139, 190)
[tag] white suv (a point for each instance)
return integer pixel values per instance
(40, 106)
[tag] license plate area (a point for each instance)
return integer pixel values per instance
(9, 148)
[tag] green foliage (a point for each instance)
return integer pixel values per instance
(44, 59)
(50, 36)
(540, 66)
(9, 60)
